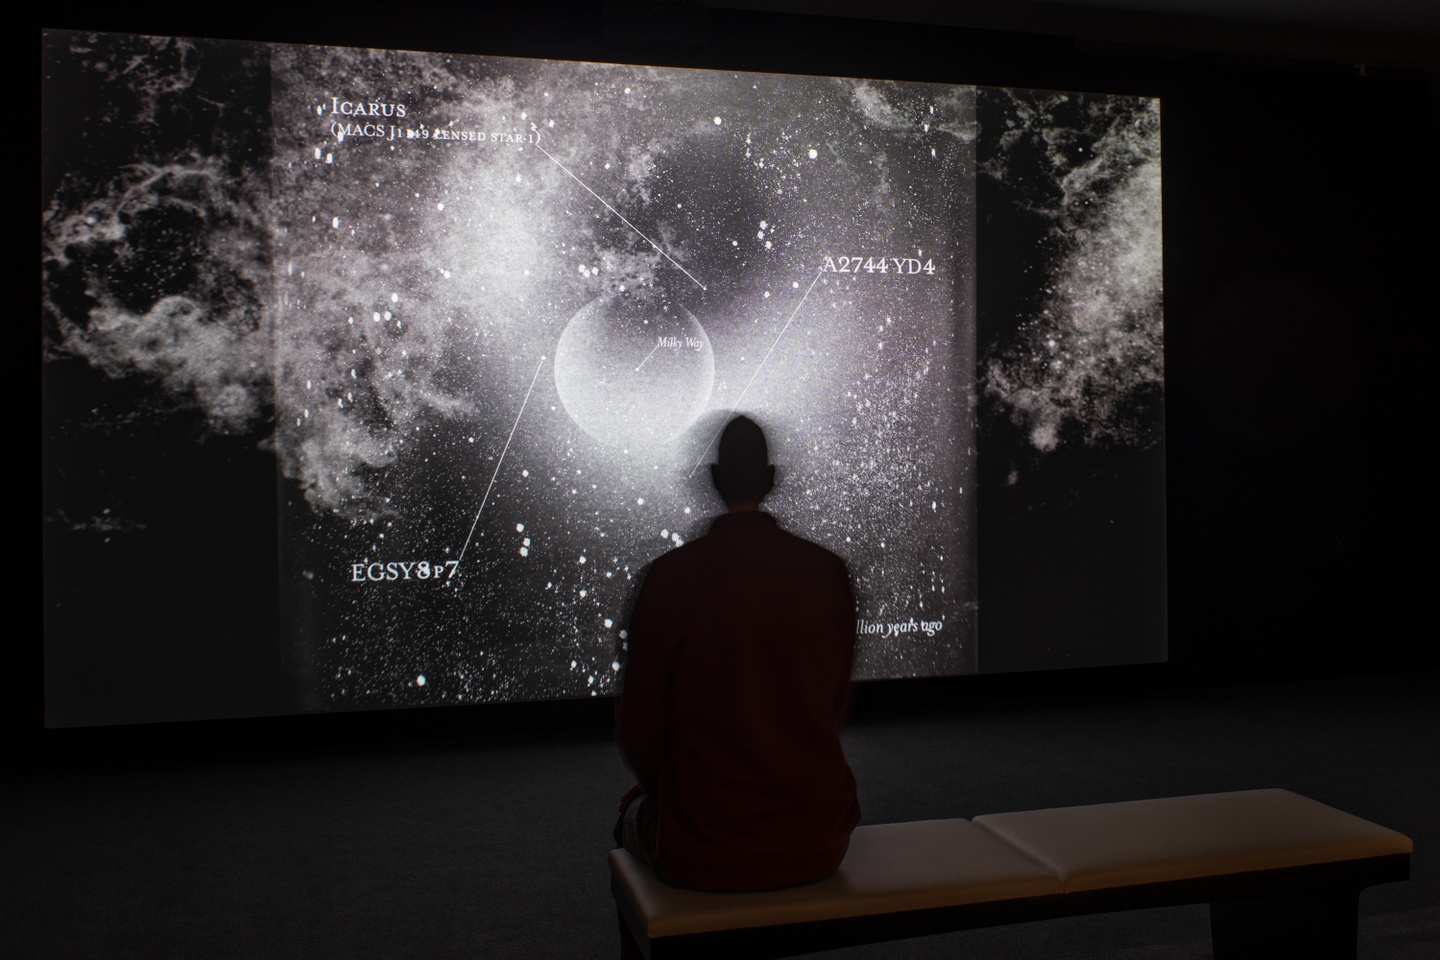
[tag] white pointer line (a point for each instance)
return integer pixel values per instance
(736, 405)
(484, 499)
(621, 216)
(648, 356)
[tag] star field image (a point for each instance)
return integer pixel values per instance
(487, 317)
(512, 321)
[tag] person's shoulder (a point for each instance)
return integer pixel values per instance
(810, 550)
(677, 557)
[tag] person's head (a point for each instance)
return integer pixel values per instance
(743, 475)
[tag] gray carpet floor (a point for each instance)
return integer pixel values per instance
(495, 847)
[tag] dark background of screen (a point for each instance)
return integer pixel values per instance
(1299, 205)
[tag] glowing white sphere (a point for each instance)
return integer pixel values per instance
(634, 369)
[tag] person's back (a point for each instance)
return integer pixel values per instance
(736, 688)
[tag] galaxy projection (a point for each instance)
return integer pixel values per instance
(489, 315)
(516, 300)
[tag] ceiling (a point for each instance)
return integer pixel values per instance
(1383, 34)
(1374, 15)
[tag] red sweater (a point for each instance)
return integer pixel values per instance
(736, 688)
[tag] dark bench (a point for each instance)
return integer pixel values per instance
(1282, 875)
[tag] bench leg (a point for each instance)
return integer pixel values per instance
(1316, 927)
(629, 949)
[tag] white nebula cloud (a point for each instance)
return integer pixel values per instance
(1097, 338)
(172, 261)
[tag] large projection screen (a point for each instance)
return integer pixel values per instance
(488, 316)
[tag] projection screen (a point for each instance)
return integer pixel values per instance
(487, 317)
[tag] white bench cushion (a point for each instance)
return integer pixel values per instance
(1178, 838)
(890, 867)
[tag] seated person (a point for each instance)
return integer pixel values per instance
(736, 687)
